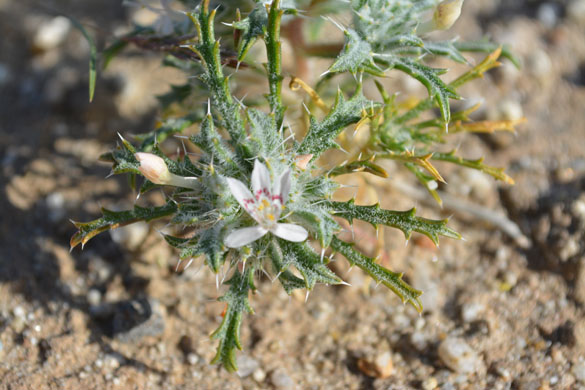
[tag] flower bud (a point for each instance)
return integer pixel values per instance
(155, 169)
(446, 14)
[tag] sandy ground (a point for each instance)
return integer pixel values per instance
(117, 315)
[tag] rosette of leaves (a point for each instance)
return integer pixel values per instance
(232, 137)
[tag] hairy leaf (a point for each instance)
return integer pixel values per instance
(406, 221)
(390, 279)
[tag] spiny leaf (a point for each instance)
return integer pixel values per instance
(498, 173)
(390, 279)
(264, 134)
(168, 128)
(356, 53)
(322, 134)
(288, 280)
(437, 89)
(420, 160)
(115, 219)
(308, 263)
(252, 27)
(316, 220)
(210, 141)
(208, 242)
(406, 221)
(486, 46)
(488, 63)
(367, 166)
(228, 333)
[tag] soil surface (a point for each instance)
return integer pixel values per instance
(502, 310)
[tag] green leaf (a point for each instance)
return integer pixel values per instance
(92, 55)
(208, 242)
(359, 166)
(228, 333)
(406, 221)
(486, 46)
(321, 135)
(497, 173)
(429, 77)
(252, 27)
(356, 53)
(288, 280)
(168, 128)
(390, 279)
(308, 263)
(115, 219)
(317, 220)
(210, 141)
(274, 65)
(264, 134)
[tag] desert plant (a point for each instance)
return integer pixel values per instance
(256, 193)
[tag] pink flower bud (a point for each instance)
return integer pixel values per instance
(153, 168)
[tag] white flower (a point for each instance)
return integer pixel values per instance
(155, 169)
(265, 206)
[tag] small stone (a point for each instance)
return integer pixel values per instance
(548, 14)
(458, 356)
(578, 371)
(246, 365)
(136, 319)
(379, 366)
(259, 375)
(192, 358)
(281, 380)
(576, 11)
(130, 236)
(419, 340)
(114, 360)
(18, 311)
(52, 33)
(471, 312)
(430, 383)
(94, 297)
(56, 206)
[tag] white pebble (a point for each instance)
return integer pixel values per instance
(281, 380)
(548, 14)
(259, 375)
(458, 356)
(576, 11)
(579, 371)
(94, 297)
(471, 311)
(52, 33)
(246, 365)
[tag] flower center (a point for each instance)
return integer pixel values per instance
(266, 208)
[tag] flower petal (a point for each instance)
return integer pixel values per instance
(282, 186)
(244, 236)
(240, 192)
(260, 178)
(290, 232)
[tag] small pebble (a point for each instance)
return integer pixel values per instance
(378, 366)
(576, 11)
(471, 312)
(259, 375)
(246, 365)
(18, 311)
(281, 380)
(193, 359)
(52, 33)
(548, 14)
(578, 371)
(430, 383)
(94, 297)
(459, 356)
